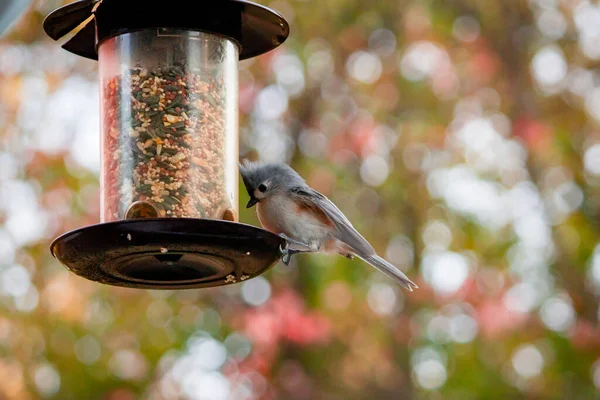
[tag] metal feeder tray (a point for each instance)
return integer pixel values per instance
(174, 253)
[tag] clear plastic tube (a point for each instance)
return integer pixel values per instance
(169, 123)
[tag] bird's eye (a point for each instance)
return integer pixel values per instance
(262, 187)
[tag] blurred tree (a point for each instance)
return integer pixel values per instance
(461, 137)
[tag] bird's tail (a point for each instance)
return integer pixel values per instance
(390, 271)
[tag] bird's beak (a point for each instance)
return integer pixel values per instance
(253, 200)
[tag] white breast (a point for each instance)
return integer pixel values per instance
(279, 214)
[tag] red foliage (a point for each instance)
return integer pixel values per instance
(584, 335)
(284, 318)
(535, 134)
(496, 321)
(484, 66)
(247, 96)
(363, 136)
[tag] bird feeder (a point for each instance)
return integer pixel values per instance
(169, 135)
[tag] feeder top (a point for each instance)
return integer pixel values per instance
(256, 29)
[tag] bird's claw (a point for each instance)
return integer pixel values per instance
(286, 254)
(287, 257)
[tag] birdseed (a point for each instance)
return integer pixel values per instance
(164, 138)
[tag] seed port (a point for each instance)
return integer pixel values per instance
(141, 209)
(229, 215)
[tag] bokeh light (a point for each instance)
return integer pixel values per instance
(462, 139)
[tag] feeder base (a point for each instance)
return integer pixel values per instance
(168, 253)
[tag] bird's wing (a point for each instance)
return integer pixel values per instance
(345, 232)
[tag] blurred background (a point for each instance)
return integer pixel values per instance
(462, 137)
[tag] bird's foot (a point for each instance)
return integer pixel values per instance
(287, 252)
(296, 245)
(349, 256)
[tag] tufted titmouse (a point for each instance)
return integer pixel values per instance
(306, 219)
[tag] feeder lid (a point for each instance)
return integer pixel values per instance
(255, 28)
(168, 253)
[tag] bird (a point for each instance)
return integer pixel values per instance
(307, 220)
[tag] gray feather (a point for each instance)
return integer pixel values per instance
(281, 176)
(344, 231)
(390, 270)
